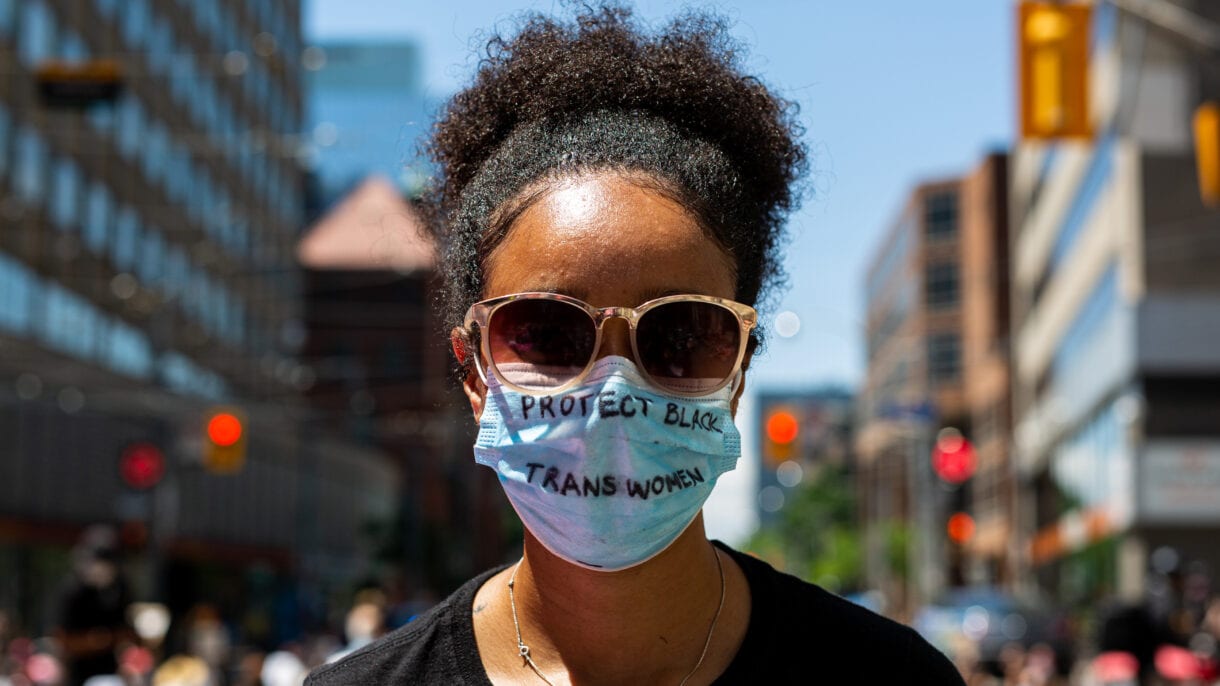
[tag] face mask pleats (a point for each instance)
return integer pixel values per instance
(609, 473)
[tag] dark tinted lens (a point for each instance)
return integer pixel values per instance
(688, 346)
(540, 344)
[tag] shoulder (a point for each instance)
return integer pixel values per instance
(437, 647)
(799, 629)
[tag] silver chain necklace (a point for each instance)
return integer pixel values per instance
(524, 650)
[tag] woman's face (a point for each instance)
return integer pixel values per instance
(609, 242)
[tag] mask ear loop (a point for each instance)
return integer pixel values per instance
(735, 384)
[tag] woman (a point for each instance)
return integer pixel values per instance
(611, 203)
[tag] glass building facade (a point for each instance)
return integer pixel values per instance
(152, 233)
(151, 196)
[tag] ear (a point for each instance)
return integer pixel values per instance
(472, 385)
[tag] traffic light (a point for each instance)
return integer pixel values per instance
(224, 442)
(953, 457)
(1053, 57)
(960, 527)
(141, 466)
(1207, 151)
(782, 428)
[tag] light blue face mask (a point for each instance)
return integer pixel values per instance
(608, 474)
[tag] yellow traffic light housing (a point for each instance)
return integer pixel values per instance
(224, 442)
(1053, 42)
(1207, 152)
(781, 428)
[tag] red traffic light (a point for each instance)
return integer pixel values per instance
(953, 457)
(141, 466)
(224, 429)
(782, 427)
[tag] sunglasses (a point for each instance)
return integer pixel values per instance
(538, 343)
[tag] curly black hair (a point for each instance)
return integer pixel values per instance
(601, 93)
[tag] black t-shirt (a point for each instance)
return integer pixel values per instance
(798, 634)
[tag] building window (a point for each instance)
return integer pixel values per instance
(71, 47)
(37, 33)
(15, 304)
(65, 194)
(6, 126)
(107, 7)
(181, 375)
(176, 266)
(69, 322)
(940, 215)
(128, 351)
(944, 357)
(126, 239)
(135, 22)
(6, 17)
(156, 144)
(98, 218)
(131, 126)
(31, 165)
(1089, 324)
(152, 257)
(237, 320)
(101, 116)
(162, 45)
(942, 285)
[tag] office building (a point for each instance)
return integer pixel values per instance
(1116, 310)
(935, 299)
(988, 556)
(150, 199)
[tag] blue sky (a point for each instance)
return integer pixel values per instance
(892, 92)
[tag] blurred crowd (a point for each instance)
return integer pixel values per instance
(102, 638)
(1171, 637)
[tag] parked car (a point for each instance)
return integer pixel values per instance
(992, 618)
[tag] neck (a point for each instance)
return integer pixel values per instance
(646, 624)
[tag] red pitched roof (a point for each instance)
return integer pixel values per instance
(373, 228)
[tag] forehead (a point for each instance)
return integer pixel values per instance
(608, 240)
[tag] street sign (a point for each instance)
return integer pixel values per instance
(922, 412)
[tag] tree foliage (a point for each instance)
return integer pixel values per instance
(816, 535)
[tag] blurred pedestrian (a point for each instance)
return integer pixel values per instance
(284, 668)
(183, 670)
(1131, 629)
(365, 623)
(249, 667)
(93, 623)
(207, 638)
(1012, 663)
